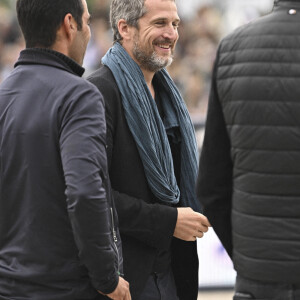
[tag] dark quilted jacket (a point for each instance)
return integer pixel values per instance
(257, 84)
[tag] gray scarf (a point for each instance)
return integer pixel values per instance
(149, 131)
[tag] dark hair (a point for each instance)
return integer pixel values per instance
(40, 19)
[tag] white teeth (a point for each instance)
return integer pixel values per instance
(164, 47)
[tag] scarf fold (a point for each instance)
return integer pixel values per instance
(149, 131)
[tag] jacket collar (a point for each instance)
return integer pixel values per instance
(51, 58)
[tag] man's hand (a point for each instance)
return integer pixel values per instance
(190, 224)
(121, 292)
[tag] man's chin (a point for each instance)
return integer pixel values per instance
(168, 62)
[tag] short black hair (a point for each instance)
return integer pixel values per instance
(40, 19)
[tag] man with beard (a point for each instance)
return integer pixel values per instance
(152, 152)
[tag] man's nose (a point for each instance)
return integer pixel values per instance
(171, 32)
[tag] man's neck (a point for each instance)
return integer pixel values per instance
(149, 80)
(148, 75)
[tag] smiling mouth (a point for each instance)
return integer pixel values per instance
(166, 47)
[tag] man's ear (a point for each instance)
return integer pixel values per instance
(124, 29)
(70, 26)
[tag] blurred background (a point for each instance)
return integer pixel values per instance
(203, 24)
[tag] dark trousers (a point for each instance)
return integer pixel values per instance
(160, 286)
(252, 289)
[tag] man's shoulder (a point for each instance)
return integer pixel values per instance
(264, 25)
(72, 88)
(103, 78)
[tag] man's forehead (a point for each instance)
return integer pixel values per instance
(161, 9)
(156, 3)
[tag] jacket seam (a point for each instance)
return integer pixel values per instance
(264, 195)
(263, 238)
(258, 48)
(267, 174)
(258, 62)
(279, 260)
(264, 76)
(243, 37)
(264, 216)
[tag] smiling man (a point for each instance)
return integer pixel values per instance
(152, 152)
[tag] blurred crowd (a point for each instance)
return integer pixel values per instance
(200, 33)
(11, 42)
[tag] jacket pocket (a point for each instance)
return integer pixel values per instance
(115, 241)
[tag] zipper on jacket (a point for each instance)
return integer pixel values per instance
(115, 240)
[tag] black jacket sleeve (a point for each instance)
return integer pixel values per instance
(214, 187)
(83, 154)
(153, 224)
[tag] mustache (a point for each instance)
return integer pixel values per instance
(164, 41)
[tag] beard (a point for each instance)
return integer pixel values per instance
(148, 59)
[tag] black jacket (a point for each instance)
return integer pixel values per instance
(250, 162)
(55, 221)
(146, 226)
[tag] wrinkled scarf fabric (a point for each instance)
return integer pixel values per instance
(149, 131)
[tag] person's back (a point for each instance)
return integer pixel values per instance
(259, 91)
(256, 198)
(58, 238)
(34, 225)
